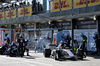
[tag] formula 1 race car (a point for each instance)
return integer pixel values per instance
(57, 53)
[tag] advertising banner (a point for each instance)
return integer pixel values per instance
(79, 3)
(54, 6)
(85, 22)
(66, 4)
(93, 2)
(1, 15)
(13, 13)
(20, 12)
(7, 14)
(27, 10)
(63, 24)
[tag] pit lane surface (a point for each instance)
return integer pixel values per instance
(37, 59)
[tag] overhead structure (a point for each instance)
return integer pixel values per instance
(7, 1)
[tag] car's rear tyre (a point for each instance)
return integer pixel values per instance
(47, 52)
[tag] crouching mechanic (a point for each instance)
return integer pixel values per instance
(13, 50)
(21, 42)
(4, 48)
(26, 45)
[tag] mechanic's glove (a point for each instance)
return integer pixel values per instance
(83, 40)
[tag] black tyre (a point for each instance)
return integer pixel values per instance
(0, 51)
(81, 58)
(47, 52)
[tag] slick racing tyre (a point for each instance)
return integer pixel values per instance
(47, 52)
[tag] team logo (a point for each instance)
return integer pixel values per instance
(21, 41)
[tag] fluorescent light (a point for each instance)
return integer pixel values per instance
(94, 17)
(19, 25)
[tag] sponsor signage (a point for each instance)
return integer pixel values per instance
(13, 13)
(84, 22)
(54, 6)
(63, 23)
(7, 14)
(93, 2)
(1, 15)
(28, 11)
(20, 12)
(79, 3)
(65, 4)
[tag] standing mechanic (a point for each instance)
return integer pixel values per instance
(61, 45)
(84, 41)
(21, 42)
(97, 41)
(67, 39)
(26, 45)
(8, 39)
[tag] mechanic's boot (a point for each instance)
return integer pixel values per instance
(28, 54)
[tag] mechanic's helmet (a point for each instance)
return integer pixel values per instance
(21, 35)
(28, 38)
(66, 35)
(7, 35)
(5, 42)
(25, 34)
(46, 36)
(95, 33)
(61, 42)
(13, 42)
(81, 34)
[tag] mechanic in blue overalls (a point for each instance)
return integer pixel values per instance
(8, 39)
(61, 45)
(97, 41)
(67, 39)
(84, 41)
(5, 48)
(26, 45)
(13, 48)
(21, 42)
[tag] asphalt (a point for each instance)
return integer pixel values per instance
(37, 59)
